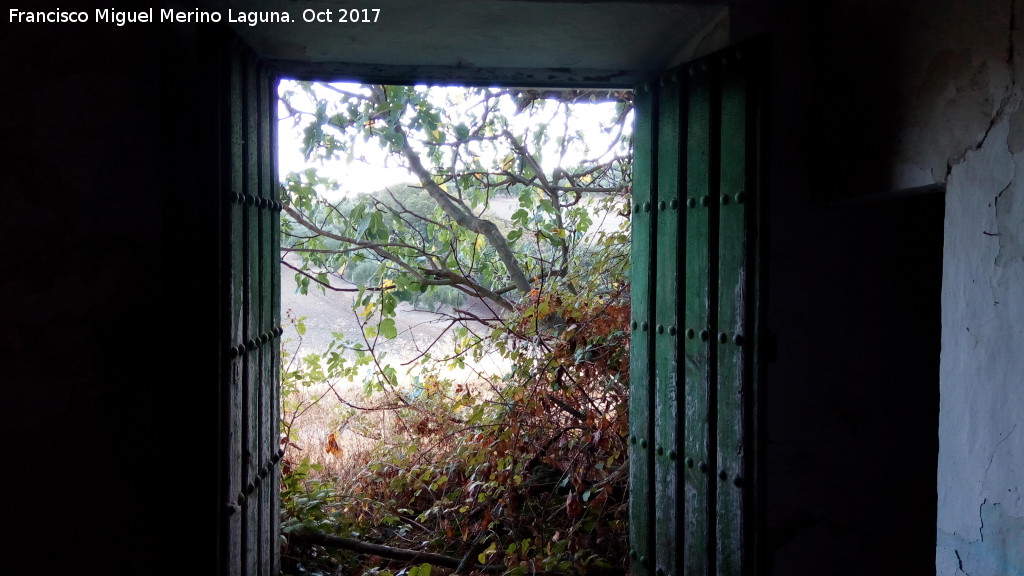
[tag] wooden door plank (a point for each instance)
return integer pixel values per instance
(641, 414)
(235, 257)
(269, 262)
(667, 463)
(697, 368)
(731, 326)
(250, 393)
(275, 324)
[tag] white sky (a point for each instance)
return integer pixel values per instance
(379, 172)
(354, 178)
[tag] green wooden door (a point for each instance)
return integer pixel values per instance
(249, 522)
(697, 189)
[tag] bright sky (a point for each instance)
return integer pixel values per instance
(379, 172)
(355, 178)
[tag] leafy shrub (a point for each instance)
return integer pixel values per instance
(525, 468)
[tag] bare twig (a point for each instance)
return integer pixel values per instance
(403, 554)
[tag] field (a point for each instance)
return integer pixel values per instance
(328, 414)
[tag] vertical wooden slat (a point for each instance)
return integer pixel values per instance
(641, 415)
(731, 326)
(235, 259)
(275, 312)
(668, 503)
(697, 349)
(268, 270)
(250, 406)
(249, 241)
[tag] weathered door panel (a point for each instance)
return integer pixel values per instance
(249, 248)
(695, 230)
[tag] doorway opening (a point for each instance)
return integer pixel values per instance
(455, 301)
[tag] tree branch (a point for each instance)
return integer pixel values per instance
(334, 288)
(376, 249)
(403, 554)
(477, 289)
(526, 96)
(466, 219)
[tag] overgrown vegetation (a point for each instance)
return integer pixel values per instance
(516, 471)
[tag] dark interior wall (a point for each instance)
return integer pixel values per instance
(108, 401)
(852, 406)
(853, 300)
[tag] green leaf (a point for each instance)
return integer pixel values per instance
(526, 199)
(482, 557)
(388, 328)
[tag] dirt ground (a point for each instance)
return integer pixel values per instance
(331, 311)
(326, 415)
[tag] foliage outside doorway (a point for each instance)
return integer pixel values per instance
(516, 467)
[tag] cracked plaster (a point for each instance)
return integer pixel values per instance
(993, 549)
(959, 71)
(980, 524)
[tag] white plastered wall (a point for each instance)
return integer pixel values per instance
(964, 64)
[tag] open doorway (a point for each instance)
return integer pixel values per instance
(455, 300)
